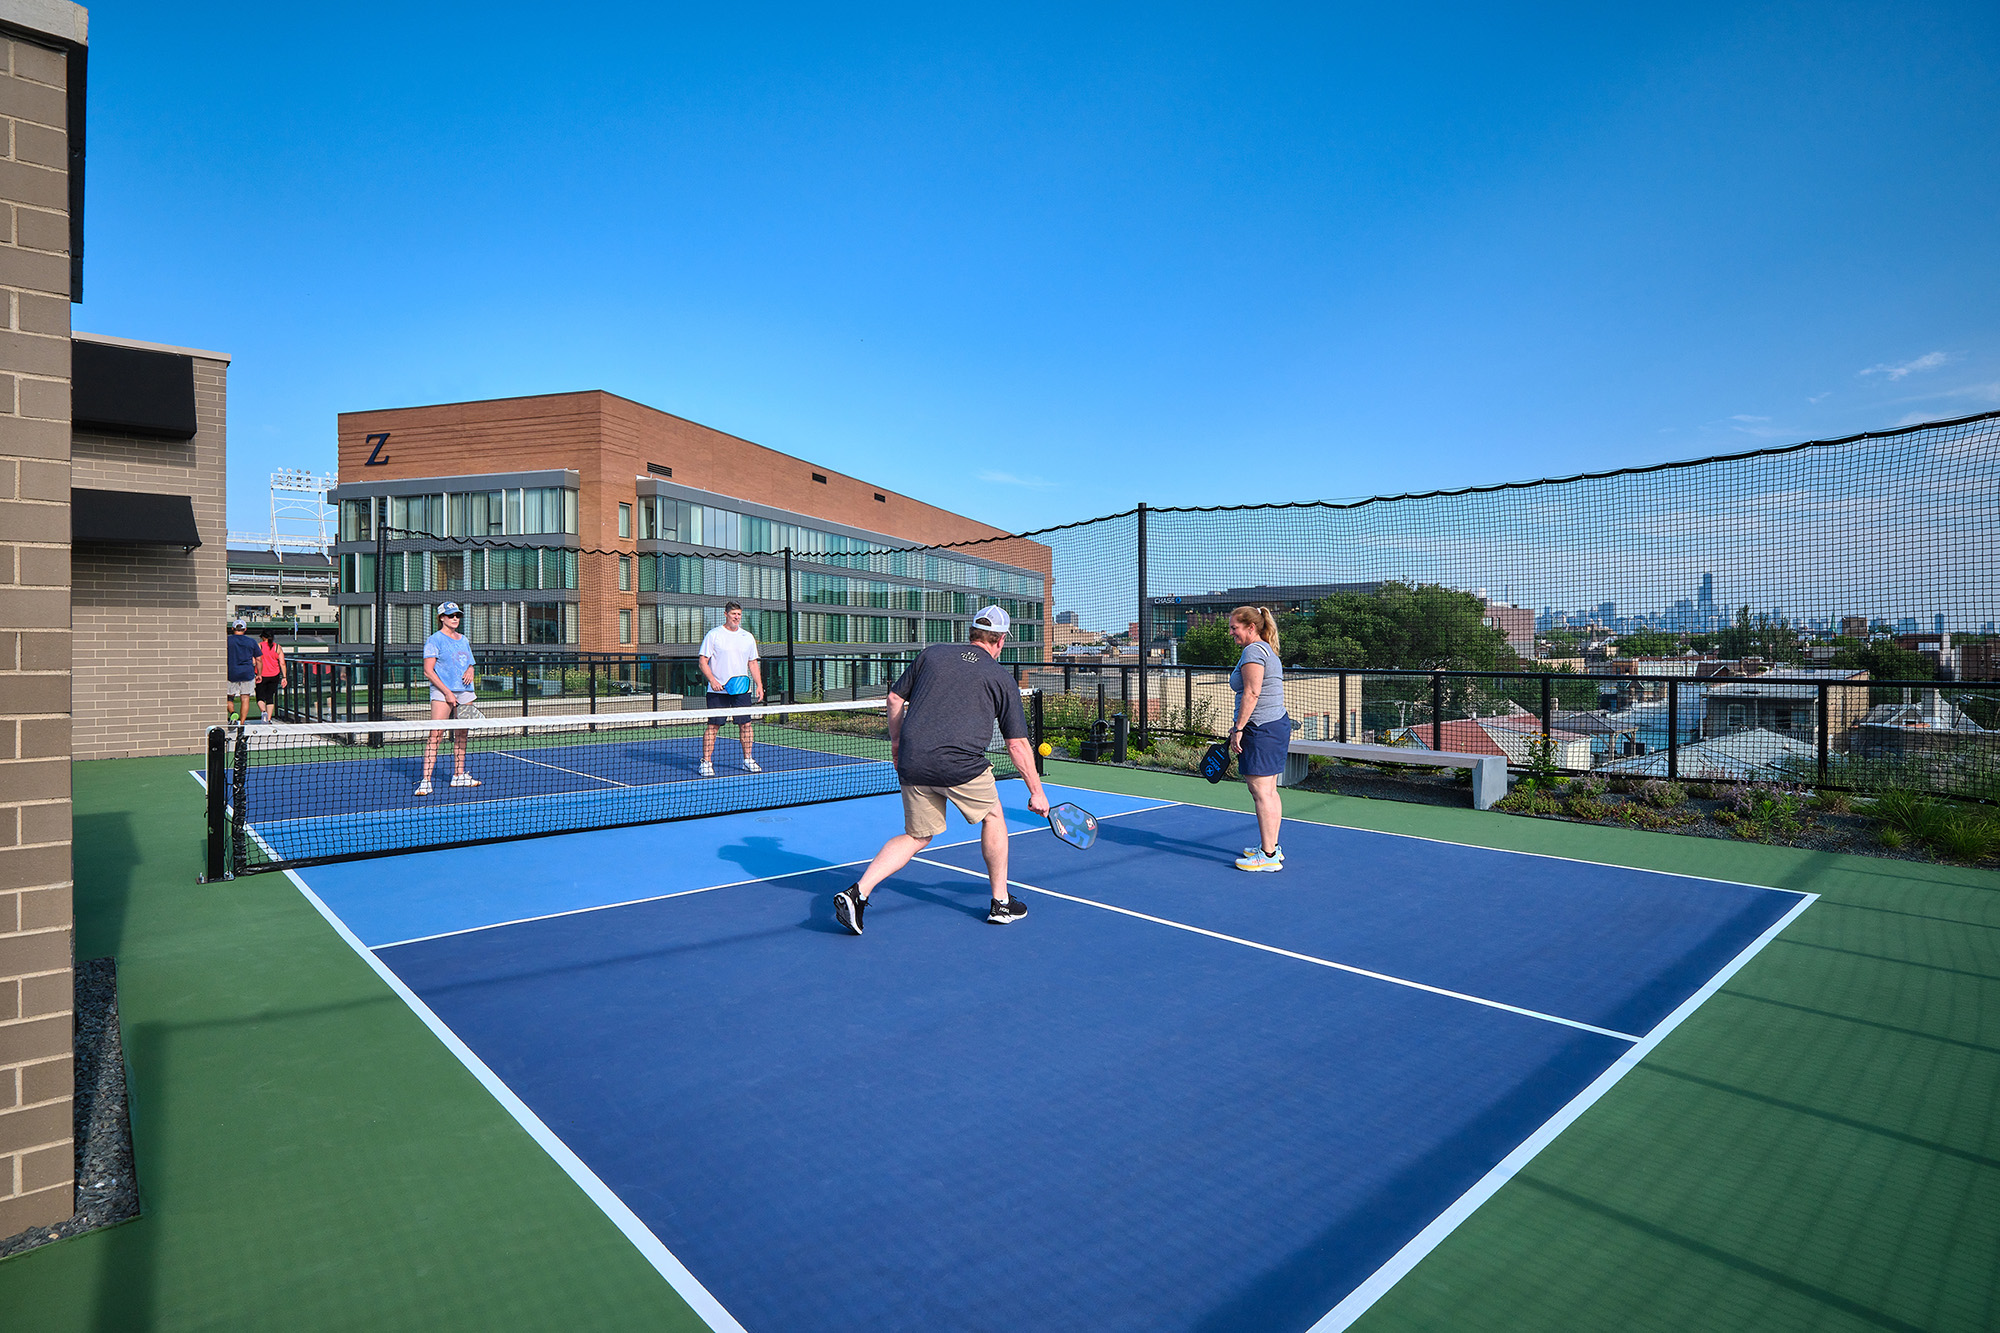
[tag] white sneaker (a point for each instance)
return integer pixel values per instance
(750, 765)
(707, 769)
(464, 780)
(424, 787)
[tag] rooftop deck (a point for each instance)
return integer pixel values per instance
(1814, 1149)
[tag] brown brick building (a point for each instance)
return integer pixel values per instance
(149, 603)
(585, 522)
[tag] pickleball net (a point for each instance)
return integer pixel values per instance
(291, 796)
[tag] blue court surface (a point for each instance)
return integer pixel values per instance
(1174, 1097)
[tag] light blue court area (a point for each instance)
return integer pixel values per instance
(1174, 1097)
(432, 893)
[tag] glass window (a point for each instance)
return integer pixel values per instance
(544, 622)
(531, 510)
(624, 575)
(569, 510)
(513, 513)
(624, 626)
(624, 520)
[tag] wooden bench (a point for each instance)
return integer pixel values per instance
(1489, 771)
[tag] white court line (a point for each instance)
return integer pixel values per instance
(655, 1252)
(1304, 957)
(1382, 1279)
(560, 769)
(709, 888)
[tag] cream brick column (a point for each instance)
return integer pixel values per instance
(36, 1080)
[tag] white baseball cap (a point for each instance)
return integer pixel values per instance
(992, 618)
(239, 623)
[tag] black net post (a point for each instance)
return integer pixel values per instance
(1340, 728)
(238, 790)
(653, 674)
(1548, 709)
(218, 805)
(1144, 633)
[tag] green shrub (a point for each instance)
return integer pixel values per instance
(1662, 795)
(1968, 836)
(1589, 785)
(1702, 791)
(1834, 802)
(1892, 838)
(1589, 807)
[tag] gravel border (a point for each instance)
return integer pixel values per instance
(107, 1189)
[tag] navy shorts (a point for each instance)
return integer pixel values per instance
(729, 701)
(1265, 745)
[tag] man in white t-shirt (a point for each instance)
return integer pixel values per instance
(735, 680)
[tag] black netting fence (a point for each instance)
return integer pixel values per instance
(1822, 613)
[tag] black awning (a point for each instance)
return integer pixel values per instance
(132, 390)
(131, 518)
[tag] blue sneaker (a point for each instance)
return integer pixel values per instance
(1259, 859)
(1254, 850)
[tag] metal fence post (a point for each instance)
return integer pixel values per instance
(1340, 732)
(1548, 708)
(590, 674)
(1673, 730)
(791, 662)
(1144, 633)
(1187, 701)
(1035, 729)
(1824, 690)
(1437, 711)
(521, 682)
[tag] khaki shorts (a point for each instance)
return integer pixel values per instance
(923, 807)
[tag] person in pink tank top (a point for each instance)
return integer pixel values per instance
(270, 673)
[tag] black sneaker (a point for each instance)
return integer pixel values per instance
(1007, 913)
(848, 905)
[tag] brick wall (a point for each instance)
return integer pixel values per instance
(36, 1082)
(150, 621)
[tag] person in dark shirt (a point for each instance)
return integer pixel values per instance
(242, 685)
(941, 716)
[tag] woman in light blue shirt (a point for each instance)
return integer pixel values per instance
(1261, 735)
(448, 667)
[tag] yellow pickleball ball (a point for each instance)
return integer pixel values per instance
(1047, 749)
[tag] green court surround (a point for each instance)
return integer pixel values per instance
(1815, 1149)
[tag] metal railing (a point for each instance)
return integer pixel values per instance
(1941, 737)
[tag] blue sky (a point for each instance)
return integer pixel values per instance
(1039, 264)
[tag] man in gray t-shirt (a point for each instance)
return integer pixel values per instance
(941, 715)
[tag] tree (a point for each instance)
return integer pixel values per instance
(1650, 643)
(1882, 659)
(1421, 626)
(1207, 643)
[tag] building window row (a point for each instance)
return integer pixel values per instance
(462, 571)
(531, 623)
(520, 511)
(663, 518)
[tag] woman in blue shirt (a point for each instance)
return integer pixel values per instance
(448, 667)
(1262, 733)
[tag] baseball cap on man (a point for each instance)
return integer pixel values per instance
(239, 623)
(448, 609)
(992, 618)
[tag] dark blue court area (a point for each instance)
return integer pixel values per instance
(1088, 1120)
